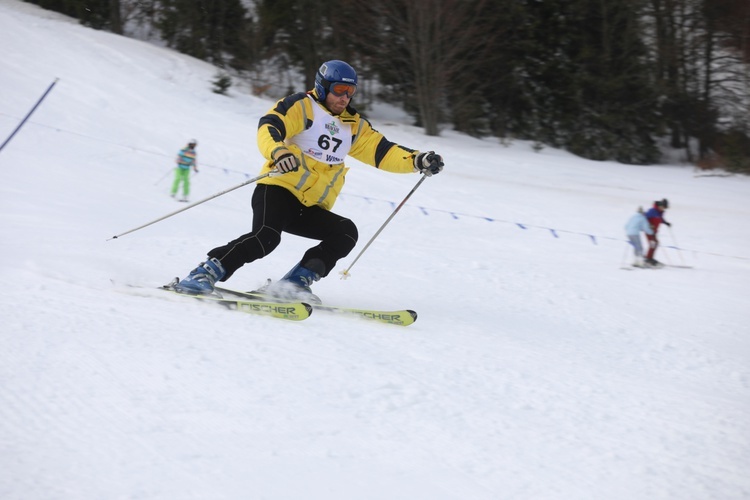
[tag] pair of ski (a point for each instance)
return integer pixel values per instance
(659, 266)
(266, 305)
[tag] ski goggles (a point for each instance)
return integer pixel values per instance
(339, 89)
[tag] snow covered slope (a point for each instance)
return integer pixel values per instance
(538, 369)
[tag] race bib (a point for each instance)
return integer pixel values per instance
(327, 140)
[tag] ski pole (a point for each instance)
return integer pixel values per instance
(249, 181)
(164, 176)
(676, 245)
(666, 254)
(345, 272)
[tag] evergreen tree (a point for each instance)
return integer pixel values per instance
(297, 33)
(581, 81)
(97, 14)
(212, 30)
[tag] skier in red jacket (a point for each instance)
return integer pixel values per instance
(655, 216)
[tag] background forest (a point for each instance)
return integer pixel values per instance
(621, 80)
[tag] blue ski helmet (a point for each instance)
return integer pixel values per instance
(333, 72)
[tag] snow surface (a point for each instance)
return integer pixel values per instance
(538, 369)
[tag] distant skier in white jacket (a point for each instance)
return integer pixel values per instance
(637, 224)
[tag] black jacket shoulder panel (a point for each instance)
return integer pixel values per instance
(283, 105)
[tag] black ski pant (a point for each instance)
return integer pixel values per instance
(277, 210)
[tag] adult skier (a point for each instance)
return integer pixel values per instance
(306, 137)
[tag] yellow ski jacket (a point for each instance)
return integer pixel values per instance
(318, 183)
